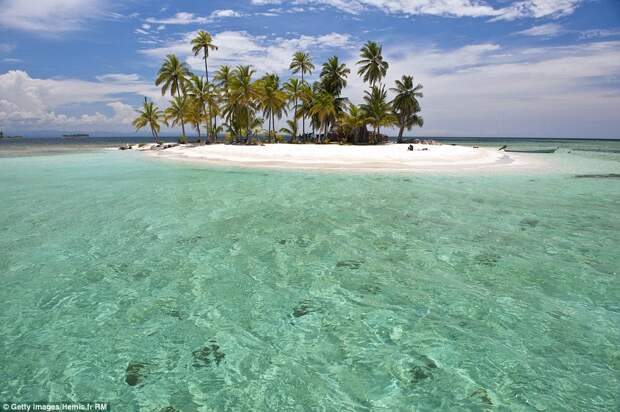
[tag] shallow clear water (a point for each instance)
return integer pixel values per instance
(271, 290)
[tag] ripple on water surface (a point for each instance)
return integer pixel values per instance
(162, 287)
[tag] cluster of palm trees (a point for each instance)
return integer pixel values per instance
(244, 104)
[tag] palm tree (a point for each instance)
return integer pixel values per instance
(302, 63)
(291, 130)
(223, 77)
(176, 113)
(173, 76)
(372, 66)
(316, 90)
(149, 115)
(243, 95)
(353, 123)
(198, 91)
(377, 109)
(406, 105)
(408, 122)
(217, 130)
(294, 94)
(334, 76)
(272, 99)
(265, 89)
(202, 43)
(213, 98)
(325, 109)
(306, 97)
(195, 114)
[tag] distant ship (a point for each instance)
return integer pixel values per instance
(76, 135)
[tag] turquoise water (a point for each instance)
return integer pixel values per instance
(151, 284)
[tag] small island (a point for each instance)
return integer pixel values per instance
(325, 130)
(243, 103)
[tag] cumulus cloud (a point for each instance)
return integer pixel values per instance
(49, 16)
(487, 90)
(453, 8)
(239, 47)
(35, 103)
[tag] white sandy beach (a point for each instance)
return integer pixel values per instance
(336, 157)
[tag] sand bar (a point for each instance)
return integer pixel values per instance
(387, 157)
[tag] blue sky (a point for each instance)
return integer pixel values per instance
(546, 68)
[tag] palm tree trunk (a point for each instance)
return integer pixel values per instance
(214, 129)
(182, 114)
(198, 128)
(268, 126)
(209, 137)
(325, 133)
(247, 132)
(295, 118)
(400, 133)
(303, 117)
(154, 135)
(206, 67)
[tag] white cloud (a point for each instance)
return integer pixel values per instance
(554, 29)
(50, 16)
(238, 47)
(454, 8)
(179, 18)
(538, 9)
(598, 33)
(123, 113)
(119, 78)
(487, 90)
(183, 18)
(544, 30)
(32, 103)
(225, 13)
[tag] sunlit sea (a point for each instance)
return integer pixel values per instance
(160, 286)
